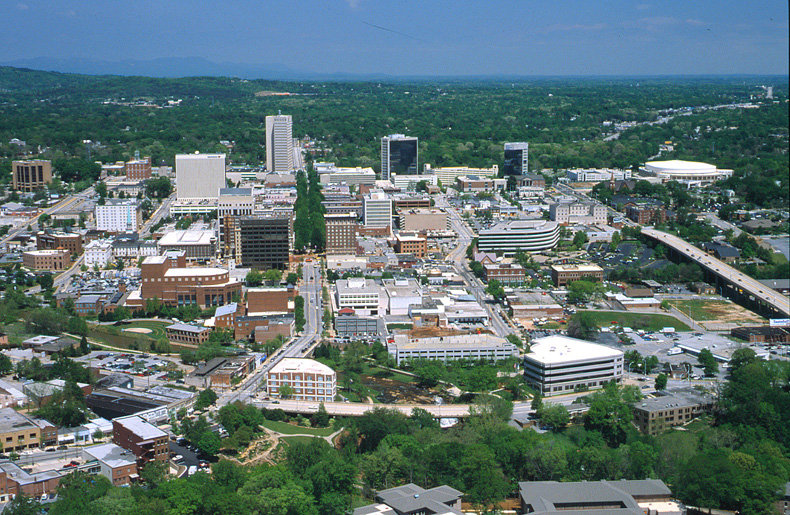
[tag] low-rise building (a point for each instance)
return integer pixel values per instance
(559, 364)
(55, 259)
(222, 373)
(722, 251)
(519, 235)
(424, 220)
(360, 294)
(198, 245)
(49, 240)
(564, 274)
(14, 481)
(188, 334)
(533, 305)
(763, 334)
(146, 441)
(477, 184)
(401, 293)
(623, 497)
(411, 244)
(307, 379)
(263, 327)
(670, 409)
(98, 253)
(350, 325)
(115, 463)
(19, 431)
(507, 273)
(575, 212)
(411, 499)
(451, 348)
(270, 299)
(646, 211)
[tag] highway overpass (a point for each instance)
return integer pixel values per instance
(738, 285)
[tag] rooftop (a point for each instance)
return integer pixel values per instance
(302, 365)
(111, 454)
(556, 349)
(186, 327)
(10, 420)
(188, 238)
(140, 427)
(577, 268)
(677, 398)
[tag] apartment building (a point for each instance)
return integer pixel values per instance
(168, 279)
(670, 409)
(308, 379)
(146, 441)
(58, 259)
(341, 233)
(564, 274)
(188, 334)
(30, 175)
(119, 215)
(559, 364)
(98, 253)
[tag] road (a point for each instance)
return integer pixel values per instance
(759, 291)
(297, 347)
(458, 255)
(162, 211)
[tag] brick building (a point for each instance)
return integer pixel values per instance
(263, 327)
(168, 279)
(188, 334)
(308, 379)
(652, 416)
(138, 169)
(115, 463)
(341, 233)
(146, 441)
(49, 240)
(30, 175)
(564, 274)
(19, 432)
(504, 272)
(408, 244)
(646, 212)
(270, 300)
(55, 259)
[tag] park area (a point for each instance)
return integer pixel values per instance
(142, 335)
(714, 310)
(650, 322)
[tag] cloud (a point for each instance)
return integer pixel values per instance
(22, 7)
(692, 21)
(575, 27)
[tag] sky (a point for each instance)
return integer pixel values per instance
(412, 37)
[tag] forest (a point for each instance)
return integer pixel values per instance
(459, 123)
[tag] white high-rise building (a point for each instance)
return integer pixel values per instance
(118, 215)
(377, 209)
(279, 144)
(199, 176)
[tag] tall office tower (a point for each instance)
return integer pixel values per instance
(263, 241)
(516, 158)
(199, 176)
(232, 203)
(341, 233)
(377, 209)
(399, 155)
(279, 144)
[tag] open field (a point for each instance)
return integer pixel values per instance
(724, 311)
(646, 321)
(154, 329)
(290, 429)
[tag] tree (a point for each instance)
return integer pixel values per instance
(209, 442)
(555, 416)
(495, 289)
(205, 399)
(273, 276)
(742, 357)
(6, 367)
(610, 414)
(254, 278)
(101, 189)
(286, 391)
(154, 473)
(579, 239)
(582, 325)
(292, 278)
(661, 382)
(22, 505)
(321, 418)
(708, 362)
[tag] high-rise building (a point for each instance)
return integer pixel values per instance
(119, 215)
(341, 233)
(516, 158)
(263, 241)
(279, 143)
(399, 155)
(232, 203)
(30, 175)
(377, 209)
(199, 176)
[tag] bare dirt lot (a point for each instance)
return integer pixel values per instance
(396, 392)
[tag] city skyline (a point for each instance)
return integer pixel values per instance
(364, 38)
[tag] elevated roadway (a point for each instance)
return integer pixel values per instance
(768, 301)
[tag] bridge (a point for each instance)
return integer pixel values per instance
(742, 287)
(357, 409)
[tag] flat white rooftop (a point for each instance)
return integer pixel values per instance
(556, 349)
(140, 427)
(187, 238)
(302, 365)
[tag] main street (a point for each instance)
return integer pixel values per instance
(457, 256)
(310, 290)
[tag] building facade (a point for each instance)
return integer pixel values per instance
(143, 439)
(360, 294)
(279, 143)
(263, 241)
(676, 408)
(519, 235)
(30, 175)
(424, 220)
(377, 209)
(119, 215)
(189, 334)
(516, 159)
(578, 213)
(399, 156)
(451, 348)
(49, 240)
(411, 244)
(232, 203)
(198, 245)
(564, 274)
(350, 325)
(506, 273)
(341, 233)
(138, 169)
(58, 259)
(308, 380)
(199, 176)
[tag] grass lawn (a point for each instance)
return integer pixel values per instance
(290, 429)
(113, 336)
(700, 309)
(286, 440)
(16, 333)
(157, 328)
(645, 321)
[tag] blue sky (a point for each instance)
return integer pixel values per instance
(407, 37)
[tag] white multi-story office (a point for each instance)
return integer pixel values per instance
(524, 235)
(578, 213)
(516, 158)
(597, 174)
(399, 155)
(377, 209)
(98, 253)
(279, 143)
(451, 348)
(199, 176)
(308, 379)
(559, 364)
(448, 174)
(360, 294)
(118, 215)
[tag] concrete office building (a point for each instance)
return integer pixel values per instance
(377, 209)
(279, 144)
(30, 175)
(450, 348)
(138, 169)
(232, 203)
(399, 156)
(566, 213)
(525, 235)
(559, 364)
(350, 325)
(263, 241)
(198, 245)
(360, 294)
(199, 176)
(516, 158)
(448, 174)
(328, 173)
(308, 379)
(597, 175)
(119, 215)
(341, 233)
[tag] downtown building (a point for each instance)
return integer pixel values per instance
(263, 241)
(199, 176)
(341, 233)
(519, 235)
(138, 169)
(119, 215)
(516, 159)
(399, 156)
(30, 175)
(308, 380)
(279, 144)
(232, 203)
